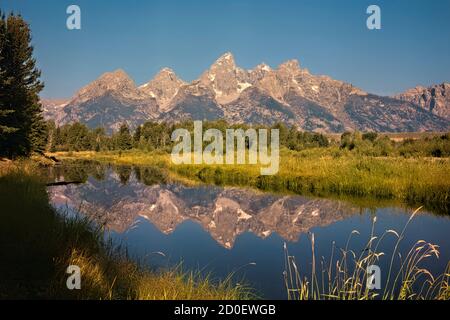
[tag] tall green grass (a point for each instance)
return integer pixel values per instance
(345, 276)
(37, 243)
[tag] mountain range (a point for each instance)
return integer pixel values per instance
(288, 94)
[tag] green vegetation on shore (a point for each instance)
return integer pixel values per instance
(157, 136)
(37, 244)
(322, 172)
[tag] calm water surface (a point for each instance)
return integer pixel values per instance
(220, 230)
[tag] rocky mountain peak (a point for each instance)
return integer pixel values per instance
(166, 73)
(120, 73)
(225, 59)
(114, 80)
(163, 87)
(435, 99)
(117, 83)
(225, 79)
(290, 66)
(277, 83)
(263, 67)
(225, 64)
(116, 77)
(260, 71)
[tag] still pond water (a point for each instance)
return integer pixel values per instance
(220, 230)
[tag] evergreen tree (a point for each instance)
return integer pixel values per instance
(137, 136)
(99, 139)
(5, 129)
(23, 129)
(124, 139)
(38, 133)
(58, 140)
(79, 137)
(51, 136)
(283, 132)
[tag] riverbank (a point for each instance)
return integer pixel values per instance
(322, 172)
(37, 244)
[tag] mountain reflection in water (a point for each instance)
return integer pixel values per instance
(117, 198)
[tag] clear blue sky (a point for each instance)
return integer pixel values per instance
(327, 37)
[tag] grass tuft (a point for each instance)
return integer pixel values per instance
(345, 276)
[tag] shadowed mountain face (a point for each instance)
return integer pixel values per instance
(374, 113)
(110, 111)
(225, 213)
(107, 102)
(263, 95)
(435, 99)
